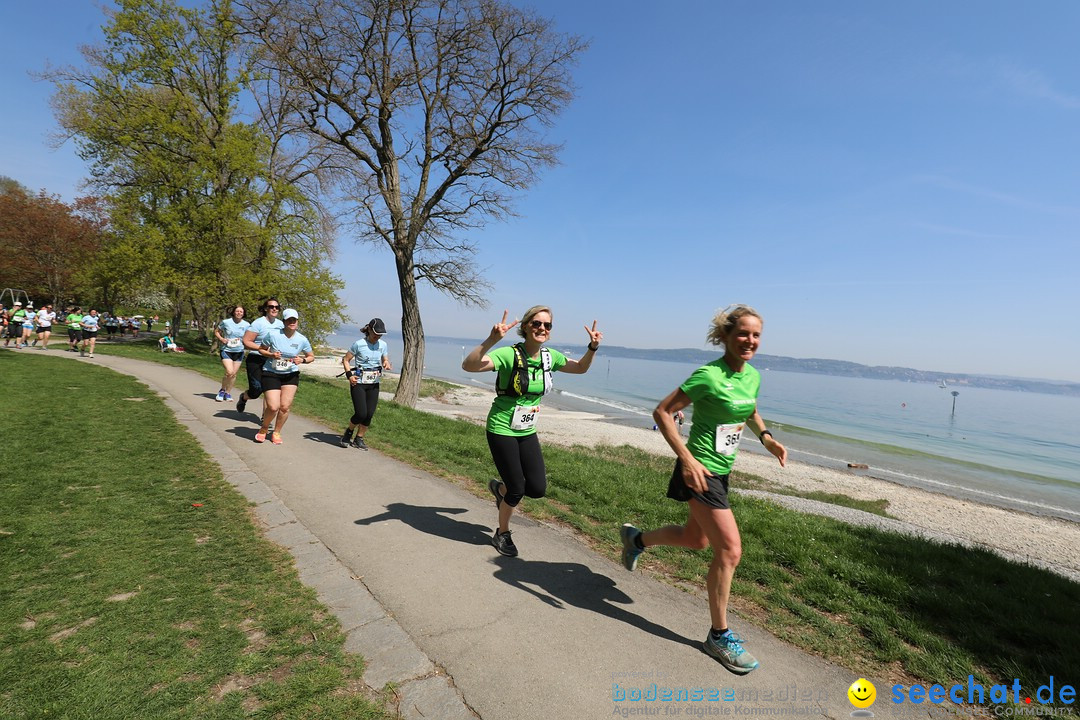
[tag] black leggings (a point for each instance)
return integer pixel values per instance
(365, 398)
(255, 363)
(520, 464)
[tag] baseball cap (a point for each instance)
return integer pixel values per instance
(289, 314)
(18, 303)
(377, 326)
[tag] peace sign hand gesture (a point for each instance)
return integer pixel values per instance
(595, 336)
(499, 330)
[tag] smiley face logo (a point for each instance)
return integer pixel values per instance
(862, 693)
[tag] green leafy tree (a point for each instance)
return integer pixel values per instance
(430, 111)
(193, 187)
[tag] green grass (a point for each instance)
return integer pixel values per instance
(874, 602)
(121, 597)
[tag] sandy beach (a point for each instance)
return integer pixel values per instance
(1046, 542)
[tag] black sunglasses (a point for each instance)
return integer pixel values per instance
(537, 324)
(273, 307)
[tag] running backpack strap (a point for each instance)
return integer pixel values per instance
(545, 360)
(518, 380)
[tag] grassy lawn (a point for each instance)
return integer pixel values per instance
(877, 603)
(135, 583)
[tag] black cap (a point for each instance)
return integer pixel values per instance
(377, 326)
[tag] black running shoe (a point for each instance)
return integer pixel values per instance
(241, 403)
(344, 441)
(504, 544)
(358, 443)
(493, 486)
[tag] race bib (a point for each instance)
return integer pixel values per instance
(235, 343)
(369, 377)
(284, 365)
(524, 417)
(728, 438)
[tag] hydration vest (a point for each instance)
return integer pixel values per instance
(518, 381)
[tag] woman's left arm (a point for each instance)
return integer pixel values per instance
(757, 425)
(580, 367)
(386, 365)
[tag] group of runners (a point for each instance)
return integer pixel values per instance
(723, 394)
(30, 328)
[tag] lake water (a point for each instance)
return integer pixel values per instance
(1006, 448)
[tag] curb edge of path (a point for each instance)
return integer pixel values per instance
(421, 688)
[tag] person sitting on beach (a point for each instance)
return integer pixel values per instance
(364, 363)
(524, 374)
(724, 394)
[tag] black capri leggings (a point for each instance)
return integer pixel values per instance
(255, 363)
(365, 398)
(520, 464)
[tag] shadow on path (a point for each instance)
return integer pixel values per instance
(433, 521)
(564, 583)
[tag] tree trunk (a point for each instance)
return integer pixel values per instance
(412, 330)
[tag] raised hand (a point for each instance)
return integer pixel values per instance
(595, 336)
(499, 330)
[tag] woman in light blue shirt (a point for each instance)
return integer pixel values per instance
(230, 333)
(364, 364)
(284, 353)
(89, 324)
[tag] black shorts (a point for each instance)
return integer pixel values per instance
(716, 496)
(89, 334)
(74, 335)
(273, 381)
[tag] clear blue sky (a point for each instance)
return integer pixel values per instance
(888, 183)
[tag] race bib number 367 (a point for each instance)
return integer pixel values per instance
(728, 437)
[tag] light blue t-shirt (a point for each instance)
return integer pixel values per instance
(262, 326)
(231, 330)
(368, 356)
(289, 347)
(90, 322)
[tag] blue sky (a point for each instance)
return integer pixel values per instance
(888, 183)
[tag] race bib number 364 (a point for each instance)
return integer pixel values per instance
(524, 417)
(728, 438)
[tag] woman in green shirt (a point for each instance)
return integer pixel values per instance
(524, 377)
(724, 394)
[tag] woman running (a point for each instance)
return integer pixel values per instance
(524, 377)
(45, 319)
(283, 354)
(253, 340)
(89, 325)
(364, 363)
(230, 333)
(724, 394)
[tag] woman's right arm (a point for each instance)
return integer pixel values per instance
(249, 339)
(478, 360)
(664, 416)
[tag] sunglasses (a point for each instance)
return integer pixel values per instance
(273, 307)
(537, 324)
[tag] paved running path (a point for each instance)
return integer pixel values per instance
(402, 557)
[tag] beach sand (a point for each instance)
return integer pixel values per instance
(1045, 542)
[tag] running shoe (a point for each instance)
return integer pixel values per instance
(91, 354)
(344, 442)
(630, 550)
(228, 397)
(493, 486)
(504, 544)
(260, 437)
(276, 438)
(358, 443)
(220, 396)
(241, 403)
(730, 652)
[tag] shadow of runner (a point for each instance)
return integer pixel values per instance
(574, 584)
(433, 521)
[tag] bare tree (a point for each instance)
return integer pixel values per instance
(433, 111)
